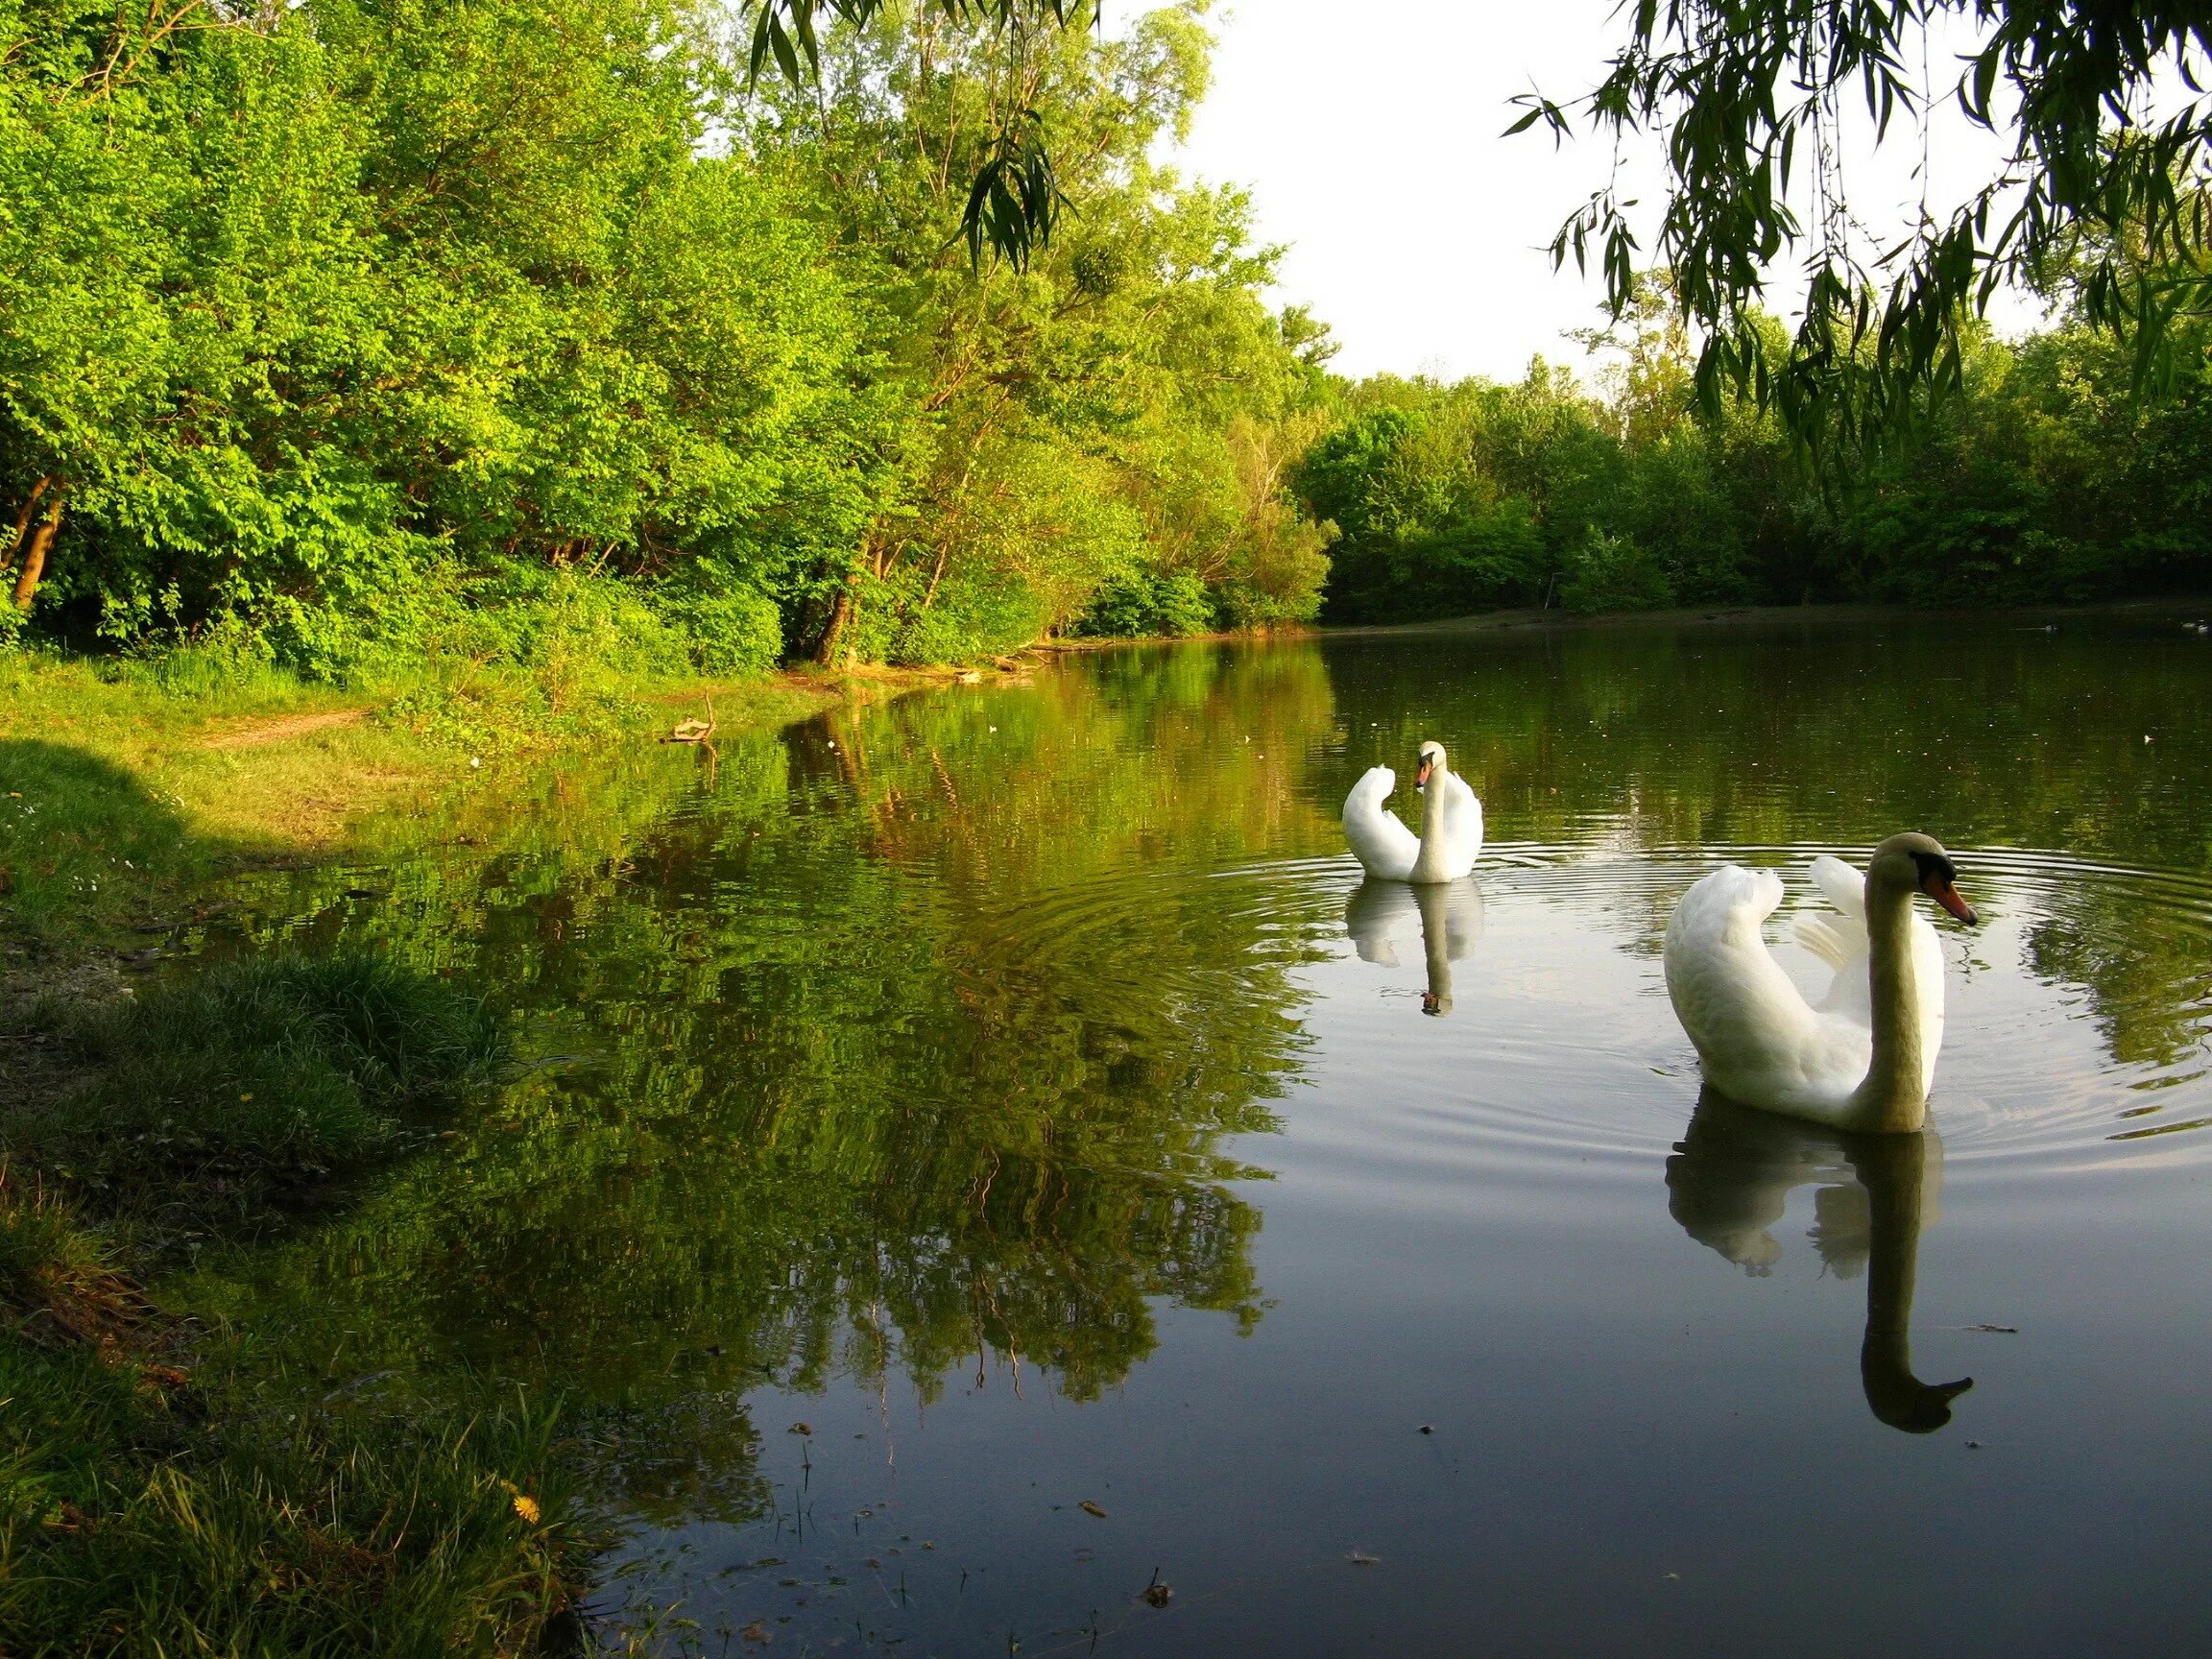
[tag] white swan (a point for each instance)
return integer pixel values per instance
(1864, 1057)
(1450, 824)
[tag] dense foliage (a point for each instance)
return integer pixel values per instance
(515, 333)
(524, 346)
(2044, 479)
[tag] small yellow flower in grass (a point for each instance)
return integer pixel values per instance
(243, 1099)
(526, 1506)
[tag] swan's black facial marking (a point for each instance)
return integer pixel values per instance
(1935, 866)
(1938, 878)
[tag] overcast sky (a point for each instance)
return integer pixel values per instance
(1369, 134)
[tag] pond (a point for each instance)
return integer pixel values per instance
(986, 1155)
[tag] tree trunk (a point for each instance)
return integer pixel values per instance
(35, 555)
(833, 635)
(23, 526)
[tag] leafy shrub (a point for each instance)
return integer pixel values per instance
(1612, 573)
(1147, 603)
(734, 629)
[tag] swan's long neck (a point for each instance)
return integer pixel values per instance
(1431, 852)
(1894, 1096)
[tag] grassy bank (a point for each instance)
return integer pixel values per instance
(168, 1486)
(125, 783)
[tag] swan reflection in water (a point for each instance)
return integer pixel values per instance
(1450, 913)
(1733, 1173)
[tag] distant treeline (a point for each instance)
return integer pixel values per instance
(407, 339)
(2045, 480)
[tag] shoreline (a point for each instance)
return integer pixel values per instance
(119, 802)
(1554, 619)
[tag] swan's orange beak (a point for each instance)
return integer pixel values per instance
(1946, 895)
(1421, 775)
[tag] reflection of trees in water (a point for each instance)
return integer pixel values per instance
(901, 1051)
(1730, 1181)
(2144, 961)
(899, 1042)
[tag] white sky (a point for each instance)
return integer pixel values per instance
(1369, 134)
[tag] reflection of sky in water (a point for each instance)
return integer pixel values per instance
(1019, 1089)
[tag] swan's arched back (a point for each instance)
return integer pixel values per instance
(1382, 844)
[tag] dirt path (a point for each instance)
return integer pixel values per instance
(253, 734)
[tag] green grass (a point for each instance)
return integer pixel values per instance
(213, 1099)
(167, 1489)
(126, 784)
(230, 1514)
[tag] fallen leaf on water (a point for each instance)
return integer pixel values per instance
(1090, 1508)
(756, 1632)
(1994, 1330)
(872, 1562)
(800, 1429)
(1360, 1558)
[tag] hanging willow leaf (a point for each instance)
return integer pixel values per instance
(1015, 201)
(2090, 191)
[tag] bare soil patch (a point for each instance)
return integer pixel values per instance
(255, 733)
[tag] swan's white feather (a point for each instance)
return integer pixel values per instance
(1843, 886)
(1841, 942)
(1385, 845)
(1759, 1040)
(1757, 1037)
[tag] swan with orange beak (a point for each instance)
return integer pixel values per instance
(1864, 1057)
(1451, 837)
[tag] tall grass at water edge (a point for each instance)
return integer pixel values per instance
(166, 1489)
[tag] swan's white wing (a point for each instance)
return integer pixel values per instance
(1845, 887)
(1757, 1038)
(1386, 847)
(1837, 940)
(1462, 831)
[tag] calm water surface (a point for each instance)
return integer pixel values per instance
(1015, 1086)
